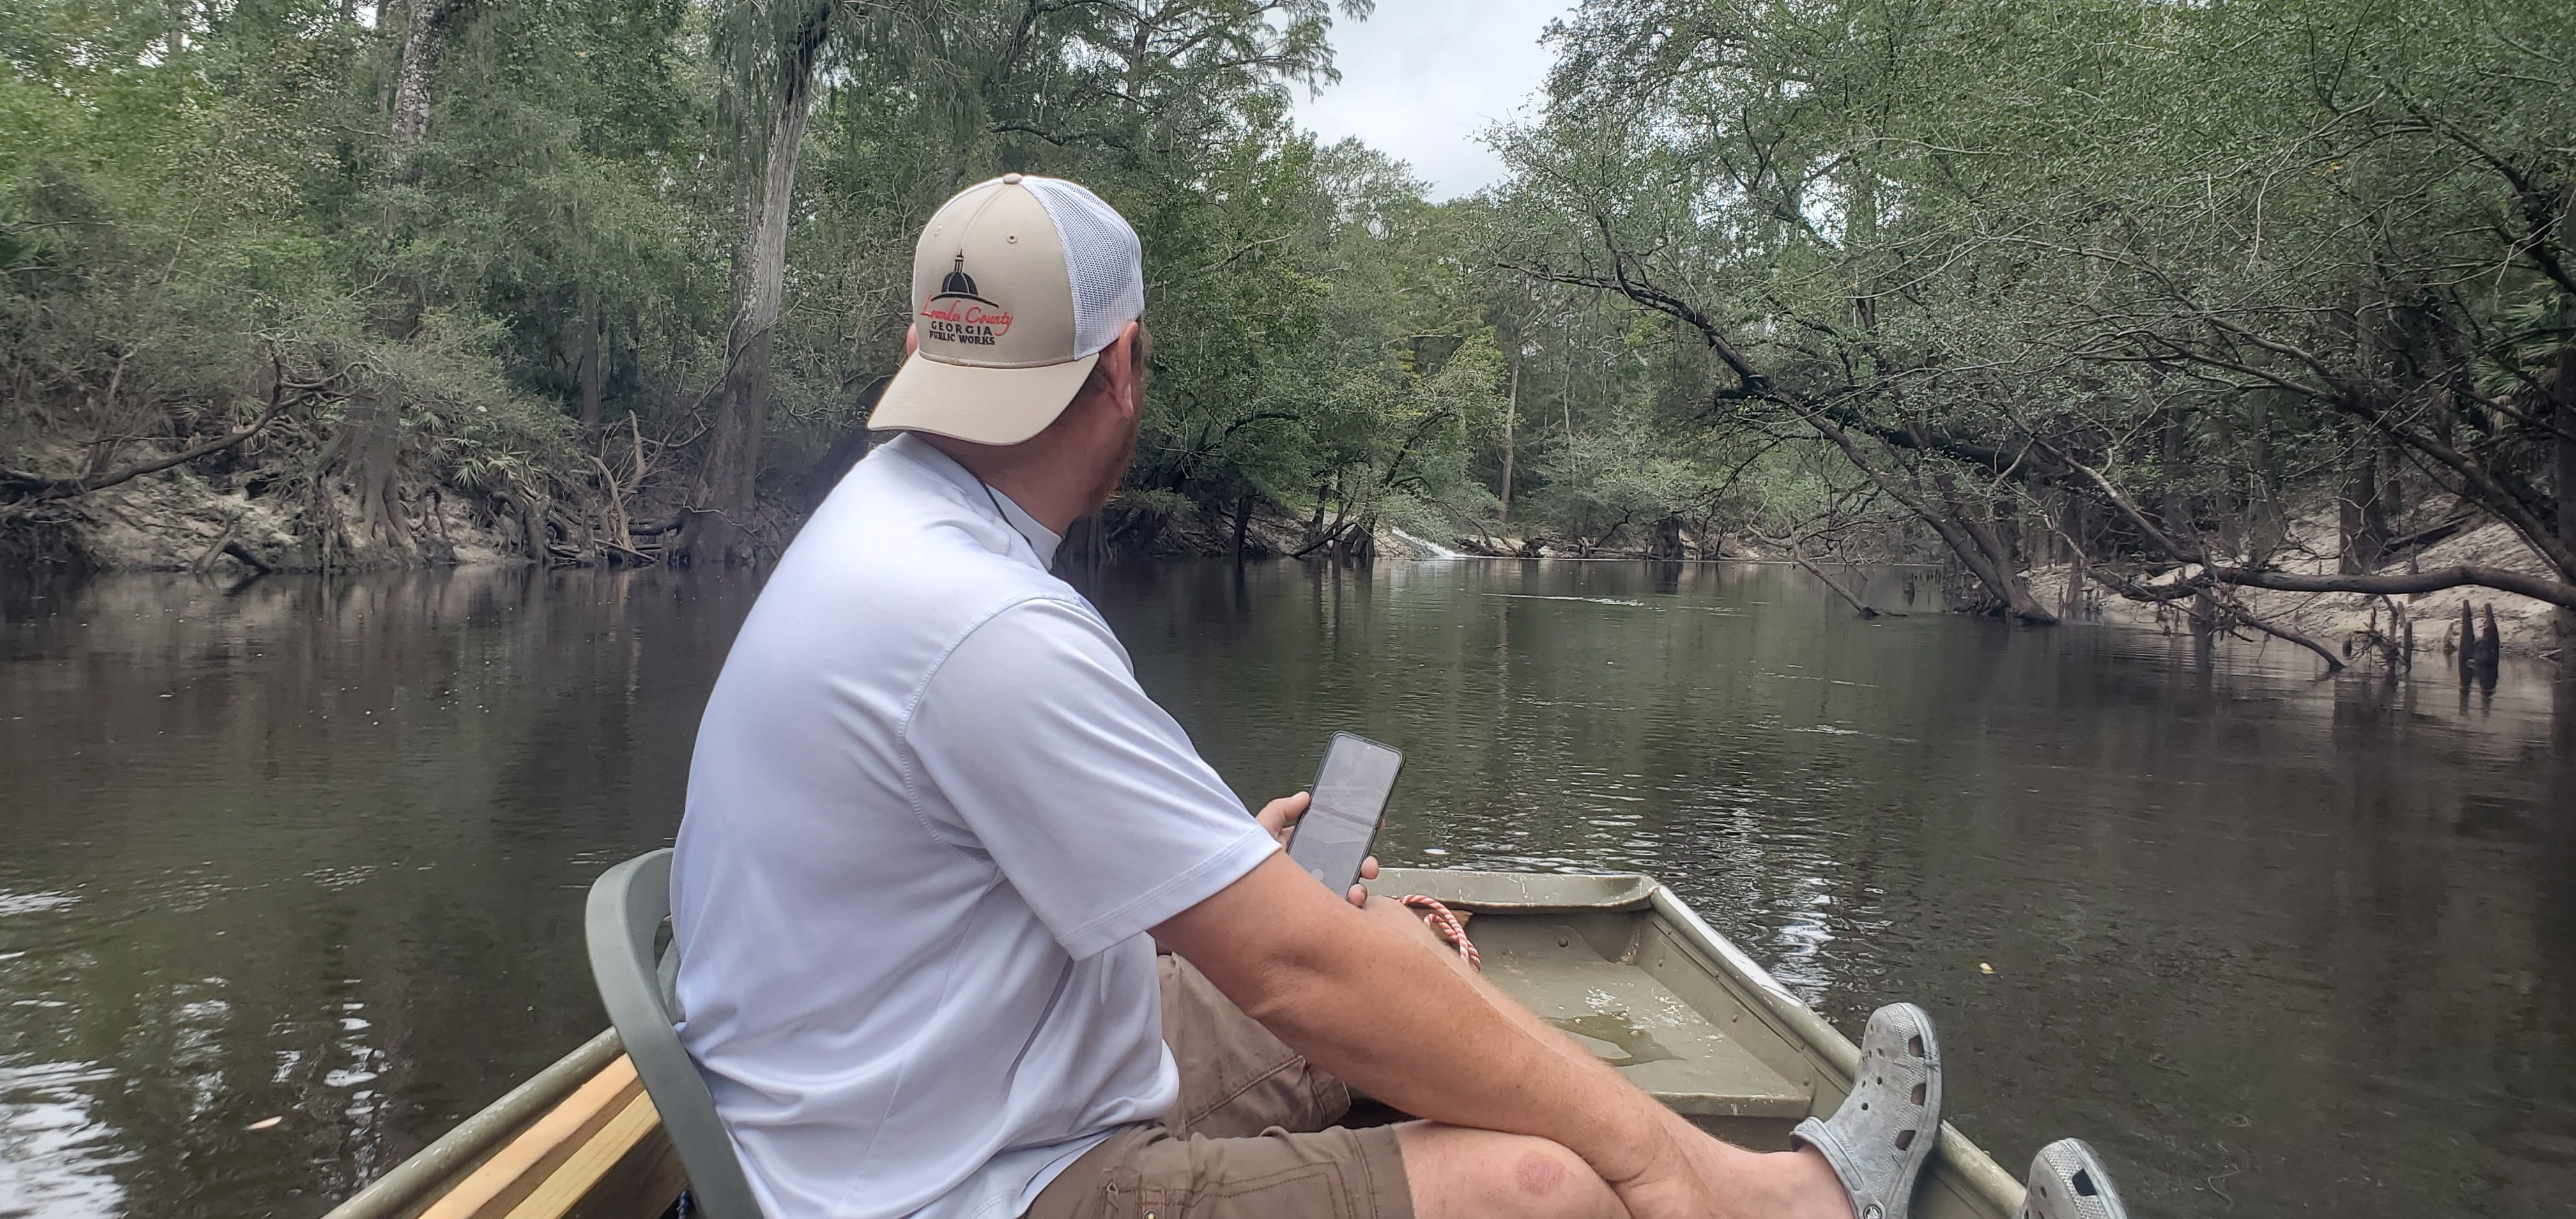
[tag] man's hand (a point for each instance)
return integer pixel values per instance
(1370, 1000)
(1669, 1187)
(1280, 815)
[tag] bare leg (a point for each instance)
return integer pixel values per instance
(1454, 1172)
(1750, 1184)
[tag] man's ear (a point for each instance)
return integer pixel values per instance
(911, 339)
(1127, 369)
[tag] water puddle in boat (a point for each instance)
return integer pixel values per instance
(1618, 1032)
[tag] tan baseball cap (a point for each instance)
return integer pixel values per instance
(1017, 285)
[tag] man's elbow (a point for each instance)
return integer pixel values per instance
(1270, 941)
(1278, 986)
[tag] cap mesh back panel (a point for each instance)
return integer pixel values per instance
(1102, 258)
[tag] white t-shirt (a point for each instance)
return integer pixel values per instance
(930, 818)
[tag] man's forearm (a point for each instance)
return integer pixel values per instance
(1371, 1003)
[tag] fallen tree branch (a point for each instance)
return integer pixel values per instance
(19, 488)
(1322, 540)
(2334, 663)
(2435, 580)
(1972, 541)
(1797, 555)
(2434, 534)
(2238, 615)
(2431, 581)
(257, 565)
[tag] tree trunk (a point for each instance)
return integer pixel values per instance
(366, 451)
(1986, 553)
(2364, 520)
(1511, 420)
(2565, 487)
(1242, 521)
(1566, 401)
(590, 370)
(2005, 516)
(429, 18)
(2266, 523)
(1984, 557)
(727, 488)
(2079, 519)
(2173, 509)
(1667, 544)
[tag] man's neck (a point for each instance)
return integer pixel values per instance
(1049, 486)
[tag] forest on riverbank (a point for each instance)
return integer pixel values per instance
(2213, 308)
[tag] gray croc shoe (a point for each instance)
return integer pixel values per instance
(1881, 1138)
(2067, 1181)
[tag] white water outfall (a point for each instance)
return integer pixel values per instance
(1437, 550)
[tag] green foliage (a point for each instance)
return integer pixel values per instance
(194, 211)
(2219, 252)
(189, 197)
(2223, 254)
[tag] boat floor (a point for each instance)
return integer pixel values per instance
(1598, 992)
(1634, 1023)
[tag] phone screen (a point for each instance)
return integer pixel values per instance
(1349, 801)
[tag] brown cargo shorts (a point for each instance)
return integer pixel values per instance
(1252, 1136)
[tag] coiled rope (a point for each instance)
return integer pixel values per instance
(1447, 925)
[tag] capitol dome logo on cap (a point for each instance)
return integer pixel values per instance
(1017, 285)
(956, 314)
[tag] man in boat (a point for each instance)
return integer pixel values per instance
(935, 833)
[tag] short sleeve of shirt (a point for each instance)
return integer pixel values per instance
(1034, 737)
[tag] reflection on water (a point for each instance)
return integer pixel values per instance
(311, 853)
(315, 852)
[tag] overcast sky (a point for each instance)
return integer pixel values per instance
(1422, 77)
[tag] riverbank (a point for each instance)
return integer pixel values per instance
(2349, 622)
(242, 518)
(181, 521)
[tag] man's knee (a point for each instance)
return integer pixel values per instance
(1454, 1172)
(1545, 1172)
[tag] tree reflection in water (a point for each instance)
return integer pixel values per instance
(316, 851)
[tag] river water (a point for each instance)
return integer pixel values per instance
(2279, 945)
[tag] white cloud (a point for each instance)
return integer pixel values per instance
(1422, 78)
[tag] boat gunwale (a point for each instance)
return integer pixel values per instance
(407, 1187)
(1978, 1171)
(1788, 1016)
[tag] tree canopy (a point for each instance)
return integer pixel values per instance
(2121, 286)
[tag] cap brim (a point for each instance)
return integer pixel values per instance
(983, 405)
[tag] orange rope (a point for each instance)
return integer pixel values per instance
(1447, 924)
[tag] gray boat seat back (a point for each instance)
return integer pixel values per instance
(628, 905)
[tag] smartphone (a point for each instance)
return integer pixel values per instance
(1350, 794)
